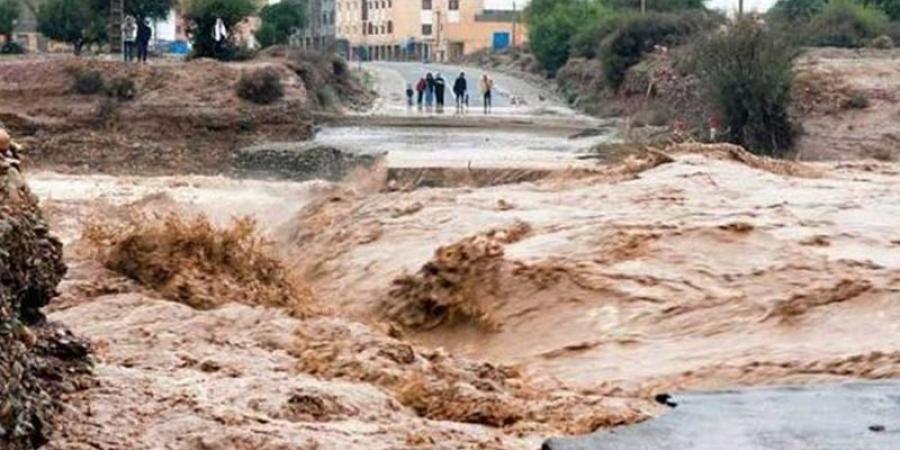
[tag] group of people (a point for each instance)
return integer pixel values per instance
(136, 36)
(431, 91)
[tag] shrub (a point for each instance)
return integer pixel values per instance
(797, 10)
(552, 25)
(845, 23)
(586, 43)
(883, 42)
(122, 89)
(88, 82)
(639, 34)
(261, 86)
(749, 73)
(279, 21)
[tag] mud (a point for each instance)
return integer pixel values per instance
(658, 268)
(680, 268)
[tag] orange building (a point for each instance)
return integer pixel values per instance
(435, 30)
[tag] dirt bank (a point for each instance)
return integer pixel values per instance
(40, 362)
(848, 102)
(184, 117)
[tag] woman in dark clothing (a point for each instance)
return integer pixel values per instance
(440, 87)
(460, 87)
(420, 90)
(429, 91)
(143, 40)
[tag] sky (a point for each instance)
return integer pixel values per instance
(727, 5)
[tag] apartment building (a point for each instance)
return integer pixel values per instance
(321, 31)
(436, 30)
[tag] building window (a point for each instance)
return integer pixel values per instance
(390, 27)
(453, 5)
(426, 30)
(371, 28)
(426, 5)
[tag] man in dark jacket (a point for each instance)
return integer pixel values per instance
(460, 89)
(143, 40)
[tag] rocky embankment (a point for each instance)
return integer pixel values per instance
(39, 362)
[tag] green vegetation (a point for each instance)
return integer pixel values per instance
(639, 34)
(76, 22)
(151, 9)
(9, 14)
(846, 23)
(658, 5)
(552, 24)
(202, 15)
(88, 82)
(749, 71)
(279, 21)
(261, 86)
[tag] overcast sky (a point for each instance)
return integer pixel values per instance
(727, 5)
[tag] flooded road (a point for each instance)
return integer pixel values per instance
(700, 267)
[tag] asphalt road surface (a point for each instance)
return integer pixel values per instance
(861, 416)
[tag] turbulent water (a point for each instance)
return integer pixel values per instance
(695, 267)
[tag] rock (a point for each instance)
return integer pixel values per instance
(35, 358)
(300, 161)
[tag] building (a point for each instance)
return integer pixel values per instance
(436, 30)
(320, 32)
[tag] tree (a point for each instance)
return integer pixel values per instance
(9, 14)
(890, 7)
(202, 16)
(149, 9)
(76, 22)
(553, 23)
(797, 10)
(748, 71)
(658, 5)
(279, 21)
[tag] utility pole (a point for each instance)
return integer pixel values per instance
(644, 6)
(740, 8)
(515, 23)
(116, 16)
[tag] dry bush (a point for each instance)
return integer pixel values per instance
(262, 86)
(194, 262)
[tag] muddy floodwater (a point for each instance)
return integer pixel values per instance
(485, 317)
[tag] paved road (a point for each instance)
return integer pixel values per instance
(834, 417)
(393, 77)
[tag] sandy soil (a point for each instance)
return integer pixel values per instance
(698, 267)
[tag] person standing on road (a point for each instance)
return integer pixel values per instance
(460, 87)
(429, 91)
(143, 40)
(409, 95)
(420, 89)
(486, 85)
(129, 36)
(440, 87)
